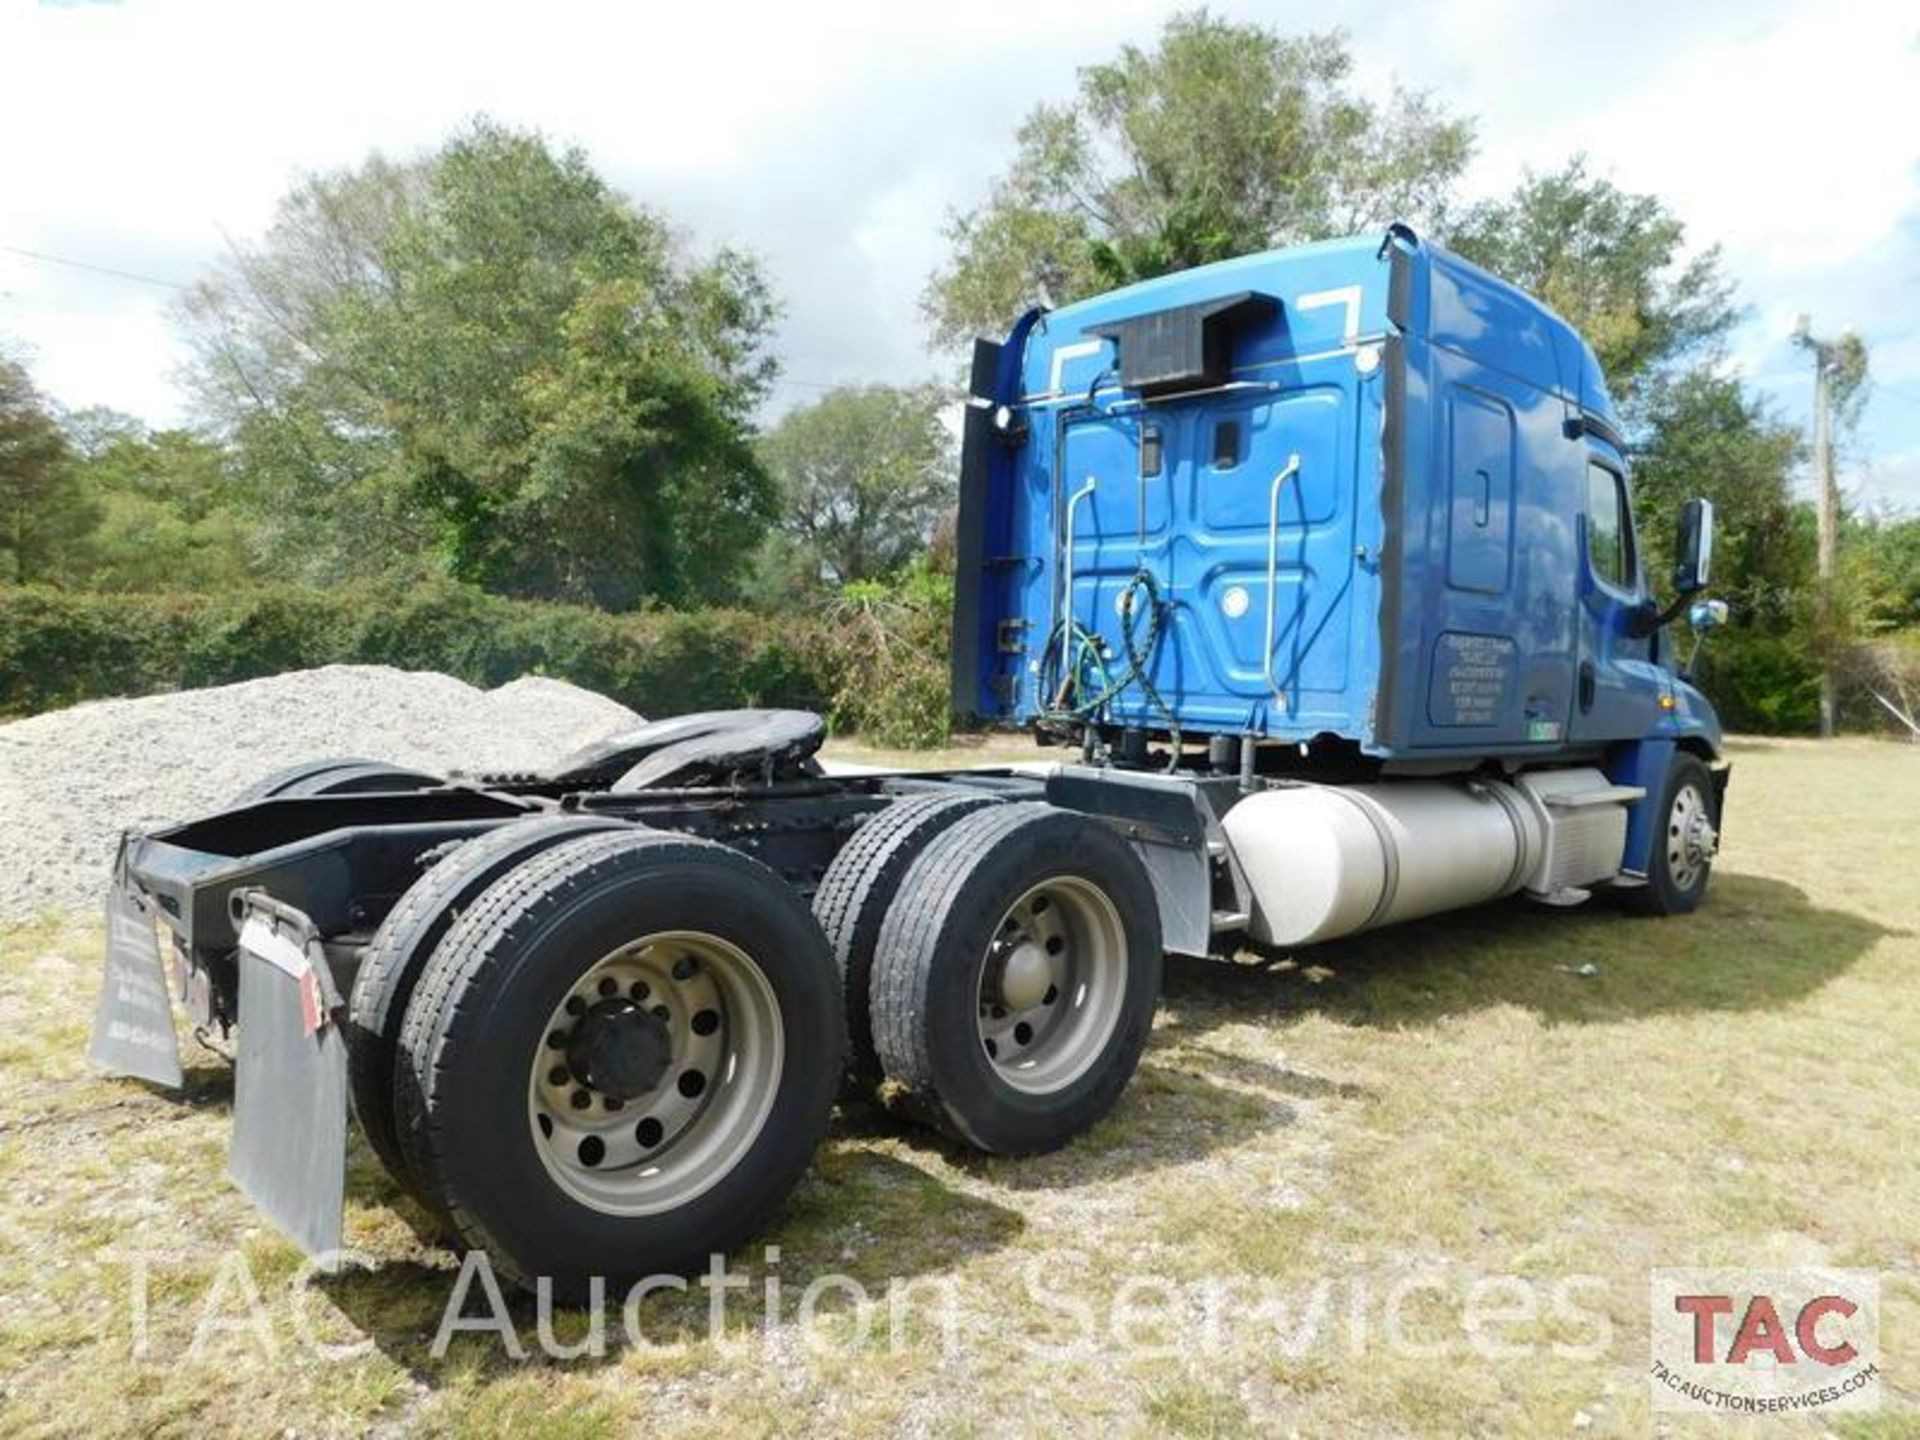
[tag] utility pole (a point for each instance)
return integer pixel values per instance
(1829, 506)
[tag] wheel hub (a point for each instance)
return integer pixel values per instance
(620, 1049)
(654, 1071)
(1026, 974)
(1702, 842)
(1692, 841)
(1051, 985)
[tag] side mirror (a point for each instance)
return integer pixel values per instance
(1693, 549)
(1704, 615)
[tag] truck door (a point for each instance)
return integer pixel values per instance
(1616, 686)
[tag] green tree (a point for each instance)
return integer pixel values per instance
(1880, 580)
(93, 429)
(1707, 435)
(864, 474)
(488, 362)
(170, 515)
(43, 513)
(1612, 264)
(1883, 560)
(1224, 139)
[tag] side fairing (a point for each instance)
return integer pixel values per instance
(1483, 640)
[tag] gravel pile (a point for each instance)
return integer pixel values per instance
(71, 780)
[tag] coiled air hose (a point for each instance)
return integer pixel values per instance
(1077, 677)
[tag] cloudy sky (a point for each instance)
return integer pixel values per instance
(143, 137)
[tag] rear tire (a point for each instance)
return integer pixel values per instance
(1015, 977)
(391, 965)
(503, 1006)
(855, 894)
(1685, 839)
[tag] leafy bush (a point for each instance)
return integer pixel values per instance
(874, 658)
(887, 644)
(1763, 683)
(60, 647)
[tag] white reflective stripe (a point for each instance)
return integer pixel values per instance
(1071, 352)
(258, 937)
(1347, 295)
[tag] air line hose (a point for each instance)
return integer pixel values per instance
(1078, 679)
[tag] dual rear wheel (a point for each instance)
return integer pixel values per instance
(594, 1049)
(616, 1059)
(1005, 970)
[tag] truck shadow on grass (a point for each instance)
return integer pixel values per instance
(871, 1217)
(1756, 944)
(1176, 1110)
(204, 1085)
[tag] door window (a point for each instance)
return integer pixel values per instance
(1609, 529)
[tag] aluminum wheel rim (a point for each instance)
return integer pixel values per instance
(1052, 985)
(1691, 841)
(724, 1046)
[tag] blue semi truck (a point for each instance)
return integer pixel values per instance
(1316, 569)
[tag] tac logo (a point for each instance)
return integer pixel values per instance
(1765, 1342)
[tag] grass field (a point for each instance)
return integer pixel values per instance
(1389, 1122)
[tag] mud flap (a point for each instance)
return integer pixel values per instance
(290, 1084)
(133, 1030)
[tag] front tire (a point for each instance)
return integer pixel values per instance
(1685, 840)
(1015, 977)
(621, 1060)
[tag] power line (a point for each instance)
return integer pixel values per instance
(73, 264)
(138, 278)
(1875, 388)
